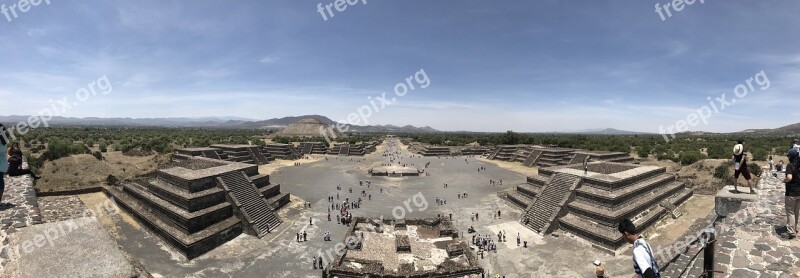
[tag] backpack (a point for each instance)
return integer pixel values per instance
(653, 263)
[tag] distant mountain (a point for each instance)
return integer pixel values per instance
(286, 121)
(160, 122)
(607, 131)
(784, 130)
(210, 122)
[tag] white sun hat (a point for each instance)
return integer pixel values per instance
(597, 262)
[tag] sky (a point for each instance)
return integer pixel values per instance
(528, 66)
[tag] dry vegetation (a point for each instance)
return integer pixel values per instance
(84, 170)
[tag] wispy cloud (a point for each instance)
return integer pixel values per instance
(269, 60)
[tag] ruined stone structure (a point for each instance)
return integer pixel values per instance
(403, 248)
(344, 149)
(282, 151)
(550, 156)
(475, 151)
(249, 154)
(197, 204)
(307, 148)
(429, 150)
(435, 151)
(591, 205)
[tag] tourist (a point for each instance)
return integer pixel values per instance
(585, 165)
(599, 269)
(304, 236)
(3, 161)
(792, 198)
(740, 166)
(644, 263)
(15, 163)
(779, 167)
(770, 164)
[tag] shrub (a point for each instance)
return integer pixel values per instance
(690, 157)
(112, 180)
(722, 172)
(98, 155)
(754, 169)
(760, 154)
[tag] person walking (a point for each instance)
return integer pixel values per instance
(792, 198)
(585, 165)
(644, 263)
(740, 166)
(3, 161)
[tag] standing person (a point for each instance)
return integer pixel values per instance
(586, 165)
(644, 263)
(740, 166)
(770, 164)
(792, 201)
(3, 160)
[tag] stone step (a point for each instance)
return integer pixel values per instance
(253, 204)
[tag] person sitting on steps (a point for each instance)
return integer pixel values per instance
(15, 163)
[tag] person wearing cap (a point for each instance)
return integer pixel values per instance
(792, 198)
(740, 166)
(599, 269)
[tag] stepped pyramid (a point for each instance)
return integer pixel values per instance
(590, 205)
(197, 204)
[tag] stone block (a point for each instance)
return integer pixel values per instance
(727, 202)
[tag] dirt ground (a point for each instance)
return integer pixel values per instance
(270, 168)
(668, 230)
(82, 171)
(513, 166)
(700, 175)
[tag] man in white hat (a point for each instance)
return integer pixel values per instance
(599, 269)
(740, 166)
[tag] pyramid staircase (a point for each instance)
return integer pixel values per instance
(543, 213)
(253, 207)
(345, 150)
(307, 148)
(258, 156)
(532, 158)
(495, 152)
(578, 158)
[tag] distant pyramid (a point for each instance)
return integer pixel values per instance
(307, 127)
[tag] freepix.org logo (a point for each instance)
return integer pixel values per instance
(14, 10)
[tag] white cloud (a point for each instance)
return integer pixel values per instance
(139, 80)
(269, 59)
(37, 32)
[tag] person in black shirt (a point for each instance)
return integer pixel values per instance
(3, 160)
(792, 201)
(740, 166)
(15, 163)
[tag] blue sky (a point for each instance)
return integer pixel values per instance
(493, 65)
